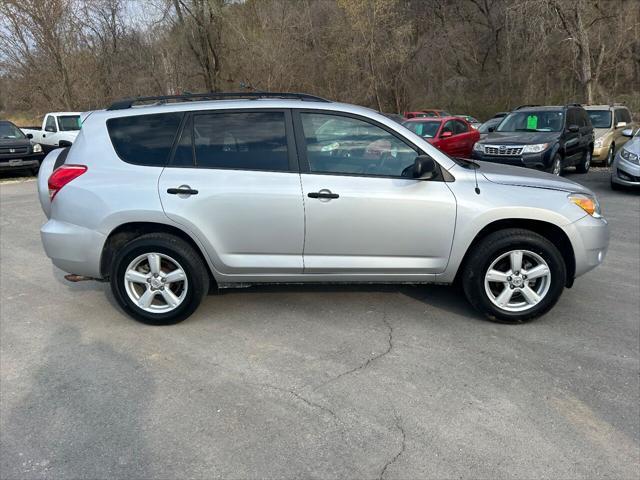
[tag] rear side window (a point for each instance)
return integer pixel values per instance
(241, 140)
(144, 139)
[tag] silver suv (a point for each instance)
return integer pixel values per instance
(171, 199)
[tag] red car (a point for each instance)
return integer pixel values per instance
(427, 114)
(453, 135)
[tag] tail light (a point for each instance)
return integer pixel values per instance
(63, 175)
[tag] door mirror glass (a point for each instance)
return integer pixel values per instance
(621, 124)
(628, 132)
(491, 129)
(29, 136)
(574, 128)
(446, 134)
(424, 168)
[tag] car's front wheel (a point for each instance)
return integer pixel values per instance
(556, 165)
(514, 275)
(159, 279)
(610, 155)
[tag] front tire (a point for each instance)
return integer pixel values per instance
(556, 165)
(514, 275)
(158, 279)
(610, 155)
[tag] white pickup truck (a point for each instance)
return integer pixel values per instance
(59, 129)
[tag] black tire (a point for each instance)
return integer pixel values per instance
(610, 155)
(492, 247)
(176, 248)
(34, 171)
(556, 163)
(585, 162)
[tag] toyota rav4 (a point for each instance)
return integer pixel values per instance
(170, 199)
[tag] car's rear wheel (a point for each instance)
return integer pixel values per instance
(159, 279)
(556, 165)
(585, 162)
(514, 275)
(610, 155)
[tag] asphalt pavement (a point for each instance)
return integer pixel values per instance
(317, 381)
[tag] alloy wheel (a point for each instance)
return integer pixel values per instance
(610, 157)
(517, 280)
(557, 166)
(155, 282)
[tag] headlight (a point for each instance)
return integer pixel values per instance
(586, 202)
(478, 147)
(537, 148)
(37, 148)
(598, 143)
(631, 157)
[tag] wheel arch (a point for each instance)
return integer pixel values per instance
(126, 232)
(550, 231)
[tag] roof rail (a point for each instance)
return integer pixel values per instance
(617, 104)
(525, 106)
(125, 103)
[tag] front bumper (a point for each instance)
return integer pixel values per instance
(589, 237)
(20, 161)
(540, 161)
(624, 172)
(72, 248)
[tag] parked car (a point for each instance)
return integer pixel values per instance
(165, 200)
(16, 151)
(426, 114)
(474, 122)
(625, 170)
(453, 135)
(59, 129)
(489, 126)
(545, 138)
(609, 121)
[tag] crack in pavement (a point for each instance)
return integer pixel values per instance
(296, 395)
(369, 360)
(398, 422)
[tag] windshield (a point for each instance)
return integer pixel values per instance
(494, 122)
(10, 131)
(69, 123)
(532, 121)
(423, 129)
(600, 118)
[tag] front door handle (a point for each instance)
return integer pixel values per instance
(182, 190)
(324, 193)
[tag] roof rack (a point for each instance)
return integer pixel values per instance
(525, 106)
(573, 105)
(125, 103)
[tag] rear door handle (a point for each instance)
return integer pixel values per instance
(182, 190)
(324, 193)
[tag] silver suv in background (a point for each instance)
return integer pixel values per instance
(168, 200)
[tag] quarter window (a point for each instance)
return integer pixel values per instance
(50, 126)
(337, 144)
(241, 140)
(144, 139)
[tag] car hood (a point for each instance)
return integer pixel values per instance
(599, 132)
(14, 142)
(527, 177)
(633, 145)
(520, 138)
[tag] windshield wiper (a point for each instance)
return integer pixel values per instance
(526, 130)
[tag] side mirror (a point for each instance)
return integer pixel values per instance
(424, 168)
(446, 134)
(64, 143)
(574, 128)
(628, 132)
(621, 124)
(491, 129)
(29, 136)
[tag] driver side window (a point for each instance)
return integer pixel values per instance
(337, 144)
(50, 126)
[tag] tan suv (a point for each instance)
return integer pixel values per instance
(608, 123)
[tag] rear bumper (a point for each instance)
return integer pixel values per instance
(590, 240)
(72, 248)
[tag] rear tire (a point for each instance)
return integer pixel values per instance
(585, 162)
(158, 298)
(529, 291)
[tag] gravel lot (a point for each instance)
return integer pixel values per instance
(317, 382)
